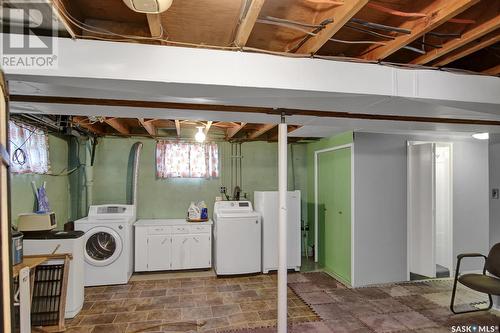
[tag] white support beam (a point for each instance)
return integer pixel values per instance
(223, 75)
(282, 226)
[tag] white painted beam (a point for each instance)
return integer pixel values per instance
(139, 63)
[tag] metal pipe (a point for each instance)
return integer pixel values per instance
(137, 156)
(414, 49)
(282, 226)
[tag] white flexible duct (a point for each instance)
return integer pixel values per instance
(137, 156)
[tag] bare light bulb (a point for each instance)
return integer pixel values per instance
(481, 136)
(200, 135)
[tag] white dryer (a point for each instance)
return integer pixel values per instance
(109, 244)
(237, 238)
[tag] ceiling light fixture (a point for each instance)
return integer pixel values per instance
(200, 135)
(148, 6)
(481, 136)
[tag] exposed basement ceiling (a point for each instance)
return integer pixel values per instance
(438, 33)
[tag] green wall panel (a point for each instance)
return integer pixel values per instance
(335, 202)
(170, 198)
(335, 141)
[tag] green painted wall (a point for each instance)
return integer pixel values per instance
(22, 196)
(334, 197)
(169, 198)
(337, 140)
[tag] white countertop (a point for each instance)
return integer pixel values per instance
(167, 222)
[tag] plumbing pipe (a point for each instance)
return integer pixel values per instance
(137, 157)
(89, 172)
(282, 227)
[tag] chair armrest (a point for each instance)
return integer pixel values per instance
(470, 255)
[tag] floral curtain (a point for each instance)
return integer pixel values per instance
(187, 160)
(29, 149)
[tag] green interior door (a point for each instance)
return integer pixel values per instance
(334, 189)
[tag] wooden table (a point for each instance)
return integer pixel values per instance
(30, 262)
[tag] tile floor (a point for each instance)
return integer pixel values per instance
(317, 304)
(195, 303)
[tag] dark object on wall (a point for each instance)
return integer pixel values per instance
(480, 282)
(69, 226)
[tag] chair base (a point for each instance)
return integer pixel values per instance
(452, 303)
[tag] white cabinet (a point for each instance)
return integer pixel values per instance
(172, 245)
(159, 252)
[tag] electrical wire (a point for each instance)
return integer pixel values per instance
(128, 38)
(286, 25)
(356, 41)
(276, 19)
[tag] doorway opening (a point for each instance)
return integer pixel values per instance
(430, 210)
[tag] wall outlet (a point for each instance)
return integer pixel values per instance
(222, 189)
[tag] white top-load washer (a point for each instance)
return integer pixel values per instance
(237, 238)
(109, 244)
(44, 242)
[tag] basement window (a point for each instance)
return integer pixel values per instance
(29, 149)
(187, 160)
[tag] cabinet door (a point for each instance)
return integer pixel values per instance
(159, 252)
(201, 254)
(180, 251)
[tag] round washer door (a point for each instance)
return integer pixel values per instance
(103, 246)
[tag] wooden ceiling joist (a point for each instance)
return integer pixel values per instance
(439, 12)
(86, 124)
(468, 49)
(148, 126)
(290, 128)
(178, 128)
(474, 33)
(207, 126)
(58, 7)
(247, 23)
(117, 125)
(260, 131)
(340, 16)
(493, 70)
(232, 131)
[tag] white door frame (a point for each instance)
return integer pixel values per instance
(408, 204)
(316, 198)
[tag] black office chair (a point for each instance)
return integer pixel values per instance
(488, 284)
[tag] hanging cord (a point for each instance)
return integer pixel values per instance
(19, 155)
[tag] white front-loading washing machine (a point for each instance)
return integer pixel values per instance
(109, 244)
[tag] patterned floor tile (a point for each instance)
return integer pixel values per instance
(212, 305)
